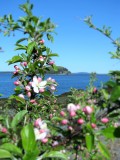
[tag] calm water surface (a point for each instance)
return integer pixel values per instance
(78, 81)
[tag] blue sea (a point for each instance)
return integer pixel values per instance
(65, 82)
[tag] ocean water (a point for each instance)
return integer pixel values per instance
(65, 82)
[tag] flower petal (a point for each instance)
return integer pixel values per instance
(35, 80)
(36, 89)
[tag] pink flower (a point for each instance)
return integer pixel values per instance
(33, 101)
(94, 90)
(45, 140)
(51, 62)
(70, 128)
(72, 113)
(105, 120)
(64, 121)
(42, 41)
(55, 143)
(41, 90)
(16, 72)
(24, 64)
(16, 67)
(37, 122)
(4, 130)
(51, 115)
(87, 110)
(27, 88)
(62, 113)
(80, 121)
(41, 58)
(17, 83)
(52, 88)
(71, 107)
(29, 94)
(93, 125)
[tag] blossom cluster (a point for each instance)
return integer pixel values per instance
(41, 131)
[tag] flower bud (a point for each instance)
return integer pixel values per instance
(64, 121)
(4, 130)
(42, 41)
(51, 62)
(87, 110)
(17, 83)
(41, 90)
(80, 121)
(95, 90)
(27, 88)
(21, 96)
(37, 122)
(93, 125)
(45, 140)
(72, 113)
(105, 120)
(16, 67)
(62, 113)
(29, 94)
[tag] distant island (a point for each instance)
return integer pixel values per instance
(60, 70)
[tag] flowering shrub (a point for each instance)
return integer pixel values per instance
(43, 128)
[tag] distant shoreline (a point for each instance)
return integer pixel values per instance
(62, 73)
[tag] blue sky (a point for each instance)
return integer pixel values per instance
(80, 48)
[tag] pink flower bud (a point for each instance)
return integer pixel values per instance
(39, 79)
(55, 143)
(33, 101)
(62, 113)
(41, 58)
(16, 67)
(29, 94)
(41, 90)
(94, 90)
(37, 122)
(93, 125)
(105, 120)
(72, 113)
(51, 62)
(64, 121)
(17, 83)
(52, 88)
(70, 128)
(27, 88)
(30, 83)
(45, 140)
(4, 130)
(42, 41)
(87, 110)
(16, 72)
(51, 115)
(80, 121)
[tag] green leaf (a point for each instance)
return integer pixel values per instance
(20, 47)
(55, 67)
(117, 132)
(11, 148)
(109, 132)
(31, 46)
(55, 154)
(28, 138)
(53, 55)
(15, 59)
(5, 154)
(20, 40)
(104, 150)
(18, 118)
(89, 138)
(115, 94)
